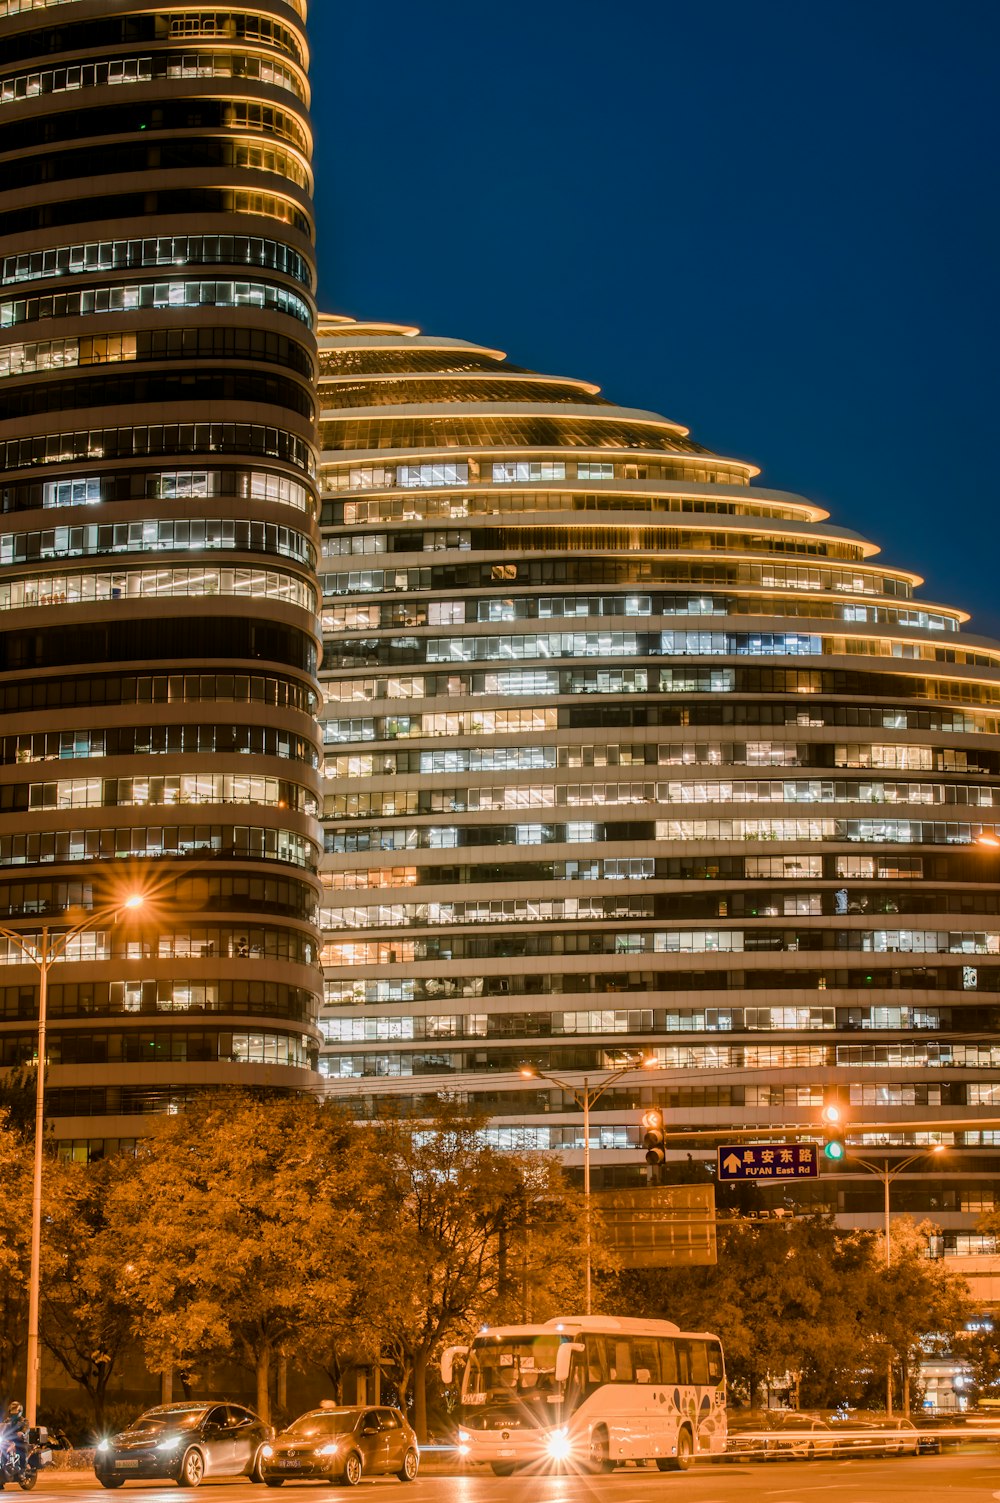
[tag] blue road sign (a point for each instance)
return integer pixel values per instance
(768, 1161)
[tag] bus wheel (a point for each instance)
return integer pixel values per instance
(685, 1454)
(502, 1468)
(600, 1452)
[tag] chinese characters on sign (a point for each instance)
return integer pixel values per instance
(768, 1161)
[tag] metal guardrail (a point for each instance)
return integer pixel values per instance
(877, 1440)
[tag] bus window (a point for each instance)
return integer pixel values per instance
(501, 1369)
(621, 1360)
(597, 1361)
(714, 1363)
(683, 1350)
(646, 1356)
(698, 1362)
(668, 1361)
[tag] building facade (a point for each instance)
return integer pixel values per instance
(158, 645)
(627, 753)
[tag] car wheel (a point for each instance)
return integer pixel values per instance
(411, 1464)
(502, 1468)
(192, 1468)
(685, 1453)
(273, 1481)
(255, 1474)
(111, 1481)
(352, 1470)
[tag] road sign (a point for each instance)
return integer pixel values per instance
(663, 1226)
(740, 1161)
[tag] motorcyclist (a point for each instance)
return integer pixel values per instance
(15, 1433)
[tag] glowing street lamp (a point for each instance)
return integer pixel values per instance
(43, 950)
(585, 1095)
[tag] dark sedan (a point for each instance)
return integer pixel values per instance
(184, 1443)
(342, 1445)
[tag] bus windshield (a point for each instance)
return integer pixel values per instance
(507, 1369)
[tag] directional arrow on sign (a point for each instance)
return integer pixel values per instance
(732, 1163)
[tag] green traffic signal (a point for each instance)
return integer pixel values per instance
(833, 1117)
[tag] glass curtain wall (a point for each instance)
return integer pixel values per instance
(158, 550)
(627, 752)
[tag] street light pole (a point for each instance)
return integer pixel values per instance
(584, 1097)
(34, 1373)
(43, 954)
(887, 1175)
(586, 1187)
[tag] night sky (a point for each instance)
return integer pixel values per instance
(774, 222)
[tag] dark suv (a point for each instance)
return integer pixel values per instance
(342, 1445)
(185, 1443)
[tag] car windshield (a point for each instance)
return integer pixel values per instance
(172, 1419)
(522, 1367)
(325, 1422)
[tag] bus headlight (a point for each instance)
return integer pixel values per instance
(558, 1446)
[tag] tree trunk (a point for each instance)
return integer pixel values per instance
(264, 1382)
(404, 1385)
(101, 1401)
(420, 1395)
(335, 1372)
(282, 1393)
(166, 1385)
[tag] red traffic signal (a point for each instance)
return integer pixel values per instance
(653, 1140)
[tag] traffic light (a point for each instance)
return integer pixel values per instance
(653, 1141)
(833, 1133)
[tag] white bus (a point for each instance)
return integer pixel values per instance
(589, 1391)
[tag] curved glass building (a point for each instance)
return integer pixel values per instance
(626, 751)
(158, 644)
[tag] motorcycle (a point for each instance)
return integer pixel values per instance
(38, 1454)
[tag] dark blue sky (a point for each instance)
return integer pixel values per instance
(774, 222)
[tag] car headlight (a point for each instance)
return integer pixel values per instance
(558, 1446)
(170, 1444)
(464, 1435)
(104, 1445)
(330, 1449)
(267, 1451)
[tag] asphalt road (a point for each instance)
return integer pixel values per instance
(916, 1479)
